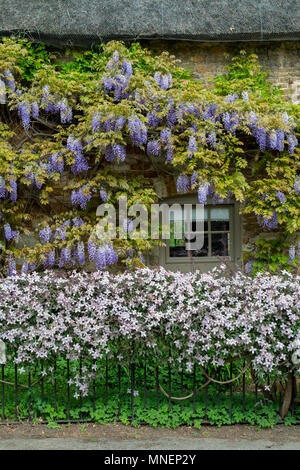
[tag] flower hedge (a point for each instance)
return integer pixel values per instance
(203, 319)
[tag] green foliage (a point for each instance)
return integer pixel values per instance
(272, 255)
(245, 73)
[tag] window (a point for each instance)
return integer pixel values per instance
(216, 242)
(221, 233)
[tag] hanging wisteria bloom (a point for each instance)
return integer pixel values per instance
(92, 250)
(292, 253)
(47, 101)
(165, 135)
(153, 148)
(9, 80)
(203, 193)
(193, 148)
(81, 253)
(281, 197)
(109, 153)
(138, 131)
(55, 163)
(66, 113)
(169, 153)
(96, 122)
(127, 68)
(2, 92)
(78, 222)
(10, 234)
(119, 152)
(62, 230)
(81, 197)
(261, 138)
(217, 199)
(231, 98)
(75, 146)
(212, 140)
(35, 110)
(103, 194)
(24, 110)
(119, 124)
(46, 234)
(3, 191)
(292, 143)
(296, 185)
(280, 140)
(269, 223)
(183, 184)
(12, 266)
(163, 81)
(194, 178)
(153, 120)
(14, 190)
(249, 267)
(25, 267)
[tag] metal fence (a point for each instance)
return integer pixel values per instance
(46, 393)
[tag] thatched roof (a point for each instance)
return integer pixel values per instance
(78, 21)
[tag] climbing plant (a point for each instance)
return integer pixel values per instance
(68, 128)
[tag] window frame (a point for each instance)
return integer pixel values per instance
(235, 234)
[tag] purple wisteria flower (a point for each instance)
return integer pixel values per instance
(46, 234)
(296, 185)
(81, 197)
(96, 122)
(281, 197)
(92, 250)
(153, 120)
(153, 148)
(65, 111)
(249, 267)
(12, 266)
(14, 190)
(165, 135)
(119, 152)
(164, 81)
(35, 110)
(81, 253)
(169, 153)
(103, 194)
(193, 147)
(269, 223)
(24, 110)
(10, 234)
(212, 140)
(194, 178)
(137, 131)
(75, 146)
(77, 222)
(292, 253)
(183, 184)
(292, 143)
(9, 80)
(3, 191)
(203, 193)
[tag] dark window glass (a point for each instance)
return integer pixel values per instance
(220, 244)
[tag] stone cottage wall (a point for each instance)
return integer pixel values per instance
(280, 58)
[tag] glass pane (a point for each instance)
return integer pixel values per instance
(220, 219)
(177, 249)
(220, 244)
